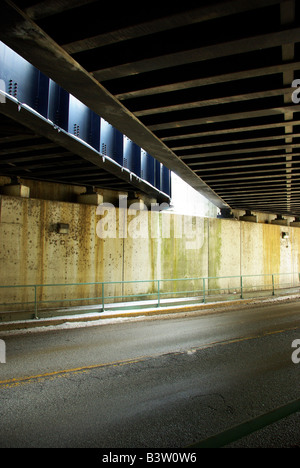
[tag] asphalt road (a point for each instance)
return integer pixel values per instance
(164, 383)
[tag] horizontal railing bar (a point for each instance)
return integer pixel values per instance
(143, 281)
(70, 300)
(130, 296)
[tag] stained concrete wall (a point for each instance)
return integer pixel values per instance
(157, 246)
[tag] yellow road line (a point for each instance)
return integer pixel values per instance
(22, 380)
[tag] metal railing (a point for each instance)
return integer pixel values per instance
(102, 296)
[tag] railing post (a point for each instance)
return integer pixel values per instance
(203, 290)
(103, 299)
(35, 303)
(273, 285)
(158, 293)
(242, 296)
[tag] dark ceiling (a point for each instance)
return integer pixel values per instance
(205, 87)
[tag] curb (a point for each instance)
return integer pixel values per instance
(143, 313)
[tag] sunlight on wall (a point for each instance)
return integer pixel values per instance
(188, 201)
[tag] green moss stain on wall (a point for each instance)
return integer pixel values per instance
(296, 250)
(271, 249)
(184, 252)
(214, 252)
(252, 255)
(167, 251)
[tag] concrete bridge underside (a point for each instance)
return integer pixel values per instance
(207, 89)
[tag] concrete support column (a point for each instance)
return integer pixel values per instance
(295, 223)
(226, 213)
(16, 190)
(91, 197)
(280, 221)
(248, 216)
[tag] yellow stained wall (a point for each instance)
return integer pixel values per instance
(157, 246)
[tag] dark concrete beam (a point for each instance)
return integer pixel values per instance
(236, 129)
(225, 143)
(225, 118)
(249, 44)
(244, 167)
(52, 7)
(225, 187)
(47, 169)
(210, 80)
(252, 197)
(218, 162)
(56, 155)
(215, 181)
(263, 191)
(26, 148)
(184, 18)
(239, 151)
(216, 101)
